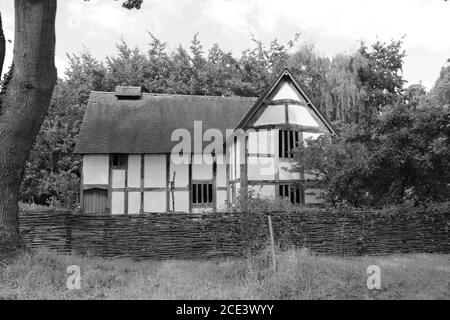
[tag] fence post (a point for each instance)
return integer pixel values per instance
(272, 244)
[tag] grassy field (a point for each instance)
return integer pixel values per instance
(300, 276)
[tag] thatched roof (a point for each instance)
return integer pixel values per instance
(114, 125)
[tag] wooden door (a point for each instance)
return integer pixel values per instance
(95, 201)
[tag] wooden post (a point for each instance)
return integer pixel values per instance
(172, 190)
(272, 244)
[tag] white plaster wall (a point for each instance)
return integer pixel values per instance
(266, 142)
(155, 170)
(134, 202)
(181, 174)
(252, 141)
(181, 201)
(268, 191)
(261, 142)
(117, 202)
(272, 115)
(232, 162)
(202, 210)
(221, 175)
(221, 199)
(238, 158)
(155, 201)
(263, 191)
(202, 168)
(301, 116)
(261, 168)
(285, 174)
(118, 178)
(96, 169)
(134, 171)
(286, 91)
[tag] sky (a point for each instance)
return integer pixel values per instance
(332, 26)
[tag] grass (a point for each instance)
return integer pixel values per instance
(300, 275)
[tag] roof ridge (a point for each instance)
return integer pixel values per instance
(179, 95)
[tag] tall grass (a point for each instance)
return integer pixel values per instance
(300, 275)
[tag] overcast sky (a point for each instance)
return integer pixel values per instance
(333, 26)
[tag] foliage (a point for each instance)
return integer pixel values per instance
(381, 78)
(405, 160)
(52, 171)
(441, 90)
(257, 204)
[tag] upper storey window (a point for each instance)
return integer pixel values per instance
(119, 160)
(288, 140)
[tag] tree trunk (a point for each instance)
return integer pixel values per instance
(24, 106)
(2, 45)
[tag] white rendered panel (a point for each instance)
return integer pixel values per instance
(134, 202)
(117, 202)
(221, 175)
(155, 201)
(238, 158)
(261, 168)
(202, 168)
(232, 163)
(181, 174)
(202, 210)
(286, 91)
(96, 169)
(155, 175)
(134, 171)
(118, 178)
(273, 114)
(181, 201)
(221, 199)
(300, 115)
(285, 173)
(266, 142)
(263, 191)
(252, 142)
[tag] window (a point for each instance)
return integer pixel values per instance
(292, 192)
(287, 141)
(119, 160)
(202, 193)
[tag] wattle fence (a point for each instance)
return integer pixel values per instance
(190, 236)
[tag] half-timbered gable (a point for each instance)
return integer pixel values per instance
(281, 119)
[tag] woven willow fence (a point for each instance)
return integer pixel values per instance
(188, 236)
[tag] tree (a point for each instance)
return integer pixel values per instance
(381, 78)
(2, 45)
(24, 103)
(406, 160)
(440, 93)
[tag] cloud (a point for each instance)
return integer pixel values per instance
(96, 18)
(423, 21)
